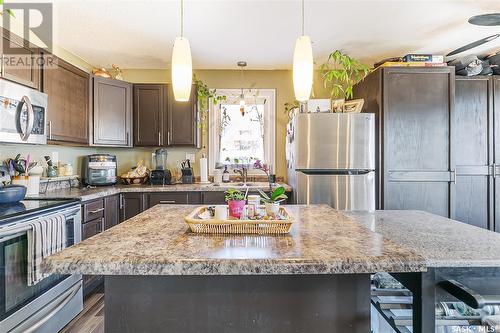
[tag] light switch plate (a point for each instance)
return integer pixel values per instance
(55, 157)
(191, 157)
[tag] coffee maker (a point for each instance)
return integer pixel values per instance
(160, 175)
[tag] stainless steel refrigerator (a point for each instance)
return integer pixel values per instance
(331, 159)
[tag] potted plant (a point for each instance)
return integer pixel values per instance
(273, 203)
(236, 202)
(340, 73)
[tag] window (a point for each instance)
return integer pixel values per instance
(241, 135)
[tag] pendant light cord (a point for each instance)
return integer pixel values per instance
(182, 18)
(302, 17)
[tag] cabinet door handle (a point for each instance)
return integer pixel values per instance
(96, 211)
(2, 66)
(494, 170)
(167, 201)
(454, 179)
(50, 129)
(159, 138)
(121, 201)
(127, 139)
(168, 138)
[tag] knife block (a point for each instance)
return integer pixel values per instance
(187, 176)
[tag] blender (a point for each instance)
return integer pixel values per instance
(160, 175)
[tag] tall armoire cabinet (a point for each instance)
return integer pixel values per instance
(438, 142)
(414, 112)
(473, 135)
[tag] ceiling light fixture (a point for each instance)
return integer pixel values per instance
(241, 65)
(182, 67)
(302, 65)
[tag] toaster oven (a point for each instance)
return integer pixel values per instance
(99, 170)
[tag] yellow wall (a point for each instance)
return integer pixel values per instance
(281, 80)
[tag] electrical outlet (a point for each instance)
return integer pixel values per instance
(55, 157)
(191, 157)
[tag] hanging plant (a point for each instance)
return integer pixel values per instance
(205, 94)
(224, 121)
(340, 73)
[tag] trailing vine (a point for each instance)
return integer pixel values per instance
(205, 94)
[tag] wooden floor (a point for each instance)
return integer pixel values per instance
(91, 319)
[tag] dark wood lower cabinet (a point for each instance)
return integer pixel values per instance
(89, 229)
(92, 228)
(168, 198)
(131, 204)
(111, 211)
(213, 198)
(98, 215)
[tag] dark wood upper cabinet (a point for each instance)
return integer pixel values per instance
(149, 112)
(182, 120)
(112, 117)
(67, 88)
(161, 121)
(16, 49)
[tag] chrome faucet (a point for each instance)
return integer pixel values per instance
(243, 171)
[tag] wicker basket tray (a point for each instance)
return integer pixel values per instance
(234, 226)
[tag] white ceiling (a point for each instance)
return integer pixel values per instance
(140, 33)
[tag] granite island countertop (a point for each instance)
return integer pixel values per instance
(87, 194)
(157, 242)
(441, 241)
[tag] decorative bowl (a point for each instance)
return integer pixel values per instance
(12, 193)
(135, 180)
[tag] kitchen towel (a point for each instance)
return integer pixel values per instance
(45, 237)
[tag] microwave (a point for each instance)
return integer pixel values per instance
(23, 114)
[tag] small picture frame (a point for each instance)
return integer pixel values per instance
(338, 105)
(318, 105)
(354, 106)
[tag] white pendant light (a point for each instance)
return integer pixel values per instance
(182, 67)
(302, 65)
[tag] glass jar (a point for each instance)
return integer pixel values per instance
(68, 170)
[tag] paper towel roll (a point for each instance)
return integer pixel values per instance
(203, 170)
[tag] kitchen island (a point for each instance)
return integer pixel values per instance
(463, 261)
(161, 277)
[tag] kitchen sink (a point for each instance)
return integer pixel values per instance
(248, 184)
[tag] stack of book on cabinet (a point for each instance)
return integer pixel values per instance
(414, 60)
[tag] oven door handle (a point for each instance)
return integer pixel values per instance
(72, 292)
(7, 237)
(17, 230)
(30, 119)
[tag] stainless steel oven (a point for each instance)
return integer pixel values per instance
(23, 114)
(51, 303)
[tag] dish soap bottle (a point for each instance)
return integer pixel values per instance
(225, 175)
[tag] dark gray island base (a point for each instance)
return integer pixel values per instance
(248, 303)
(159, 277)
